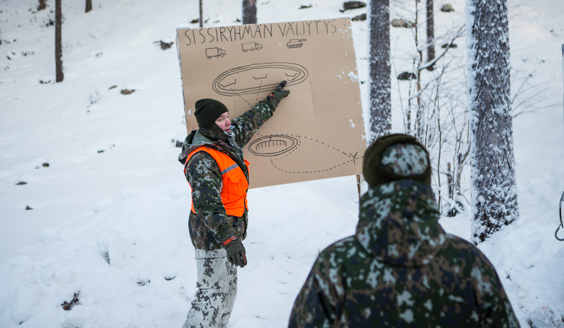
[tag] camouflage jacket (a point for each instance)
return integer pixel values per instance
(401, 269)
(204, 176)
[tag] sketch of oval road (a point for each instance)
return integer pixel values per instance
(287, 155)
(273, 145)
(250, 79)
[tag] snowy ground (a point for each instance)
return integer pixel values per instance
(107, 218)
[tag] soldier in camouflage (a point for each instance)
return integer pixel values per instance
(401, 269)
(217, 233)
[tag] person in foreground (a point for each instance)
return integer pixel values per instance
(219, 178)
(401, 269)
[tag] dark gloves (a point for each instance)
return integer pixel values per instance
(235, 250)
(277, 95)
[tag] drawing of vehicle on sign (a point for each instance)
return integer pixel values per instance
(252, 46)
(295, 43)
(215, 52)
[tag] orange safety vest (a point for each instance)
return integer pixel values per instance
(234, 182)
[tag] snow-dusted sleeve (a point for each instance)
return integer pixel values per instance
(494, 309)
(245, 126)
(319, 300)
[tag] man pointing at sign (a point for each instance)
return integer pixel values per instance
(219, 178)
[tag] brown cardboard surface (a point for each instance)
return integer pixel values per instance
(317, 131)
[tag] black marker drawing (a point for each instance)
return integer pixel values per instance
(285, 155)
(353, 156)
(215, 52)
(273, 145)
(226, 85)
(247, 78)
(252, 46)
(295, 43)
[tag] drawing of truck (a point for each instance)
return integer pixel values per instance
(215, 52)
(295, 43)
(252, 46)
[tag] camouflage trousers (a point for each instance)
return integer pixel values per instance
(217, 289)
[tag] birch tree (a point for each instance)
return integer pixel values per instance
(494, 194)
(380, 68)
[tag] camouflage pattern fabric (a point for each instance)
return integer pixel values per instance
(401, 269)
(204, 177)
(217, 289)
(405, 159)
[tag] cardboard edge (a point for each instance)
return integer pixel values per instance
(181, 77)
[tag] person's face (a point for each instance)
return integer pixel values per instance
(223, 122)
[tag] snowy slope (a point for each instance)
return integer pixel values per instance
(114, 192)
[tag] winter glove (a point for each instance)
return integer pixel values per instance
(235, 250)
(277, 95)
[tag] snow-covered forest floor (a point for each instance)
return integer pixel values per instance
(102, 216)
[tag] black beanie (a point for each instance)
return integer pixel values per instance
(207, 111)
(408, 152)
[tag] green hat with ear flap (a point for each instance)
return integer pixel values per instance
(396, 157)
(207, 111)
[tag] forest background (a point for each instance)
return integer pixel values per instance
(93, 204)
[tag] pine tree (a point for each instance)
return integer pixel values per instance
(380, 68)
(430, 34)
(201, 14)
(249, 12)
(88, 6)
(494, 195)
(58, 42)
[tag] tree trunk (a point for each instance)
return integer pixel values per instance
(249, 12)
(41, 5)
(380, 69)
(430, 34)
(88, 5)
(494, 194)
(201, 14)
(58, 45)
(451, 189)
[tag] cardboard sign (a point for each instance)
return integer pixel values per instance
(317, 131)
